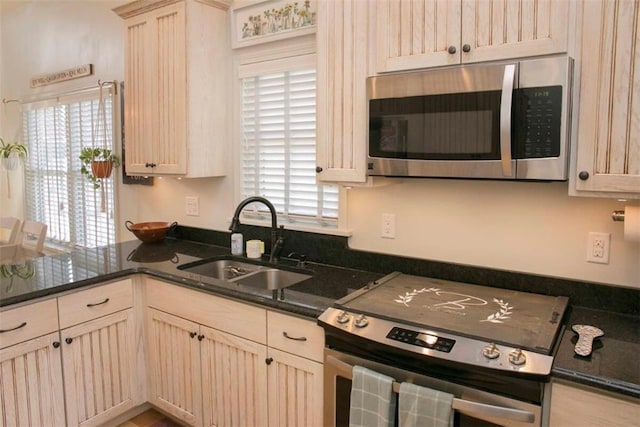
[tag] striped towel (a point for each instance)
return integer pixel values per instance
(424, 407)
(373, 403)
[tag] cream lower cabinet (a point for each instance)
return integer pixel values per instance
(31, 392)
(211, 366)
(99, 375)
(608, 151)
(581, 406)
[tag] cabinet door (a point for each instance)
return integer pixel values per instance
(98, 362)
(174, 356)
(168, 77)
(417, 34)
(342, 56)
(295, 390)
(234, 380)
(608, 152)
(138, 94)
(580, 407)
(494, 30)
(31, 392)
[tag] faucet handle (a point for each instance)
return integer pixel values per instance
(302, 259)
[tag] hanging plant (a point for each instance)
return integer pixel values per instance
(97, 164)
(11, 153)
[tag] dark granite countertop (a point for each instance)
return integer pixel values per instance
(612, 366)
(54, 274)
(613, 363)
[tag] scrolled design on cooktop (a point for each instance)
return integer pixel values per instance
(459, 303)
(500, 315)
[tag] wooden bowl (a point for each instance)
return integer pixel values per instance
(150, 232)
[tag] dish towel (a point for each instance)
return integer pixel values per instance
(373, 403)
(424, 407)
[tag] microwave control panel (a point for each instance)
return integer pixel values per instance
(538, 121)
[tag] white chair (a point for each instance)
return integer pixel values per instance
(32, 241)
(9, 228)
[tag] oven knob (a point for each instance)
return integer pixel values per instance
(491, 351)
(361, 321)
(517, 357)
(343, 318)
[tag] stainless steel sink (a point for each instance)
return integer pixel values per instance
(272, 279)
(226, 269)
(253, 274)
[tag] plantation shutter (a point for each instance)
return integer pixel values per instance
(55, 131)
(278, 157)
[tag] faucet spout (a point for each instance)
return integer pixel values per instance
(276, 240)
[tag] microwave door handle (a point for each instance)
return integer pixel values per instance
(345, 370)
(505, 118)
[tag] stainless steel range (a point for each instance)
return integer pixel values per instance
(490, 347)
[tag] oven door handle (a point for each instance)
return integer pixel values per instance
(506, 102)
(464, 406)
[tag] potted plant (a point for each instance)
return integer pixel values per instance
(11, 152)
(97, 164)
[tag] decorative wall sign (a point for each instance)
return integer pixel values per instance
(271, 20)
(61, 76)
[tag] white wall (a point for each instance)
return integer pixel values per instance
(525, 227)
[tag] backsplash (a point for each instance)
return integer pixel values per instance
(334, 250)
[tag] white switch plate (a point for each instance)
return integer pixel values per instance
(192, 206)
(388, 230)
(598, 247)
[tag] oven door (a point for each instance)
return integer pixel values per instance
(472, 407)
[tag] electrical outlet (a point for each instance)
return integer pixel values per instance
(388, 230)
(598, 247)
(192, 206)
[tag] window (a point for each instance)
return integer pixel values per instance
(278, 135)
(55, 132)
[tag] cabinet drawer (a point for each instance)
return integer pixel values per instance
(96, 302)
(295, 335)
(224, 314)
(27, 322)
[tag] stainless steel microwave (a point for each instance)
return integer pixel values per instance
(507, 120)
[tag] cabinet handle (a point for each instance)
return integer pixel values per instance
(584, 175)
(193, 334)
(318, 169)
(284, 333)
(106, 300)
(22, 325)
(268, 360)
(56, 344)
(68, 340)
(149, 165)
(466, 47)
(451, 50)
(200, 337)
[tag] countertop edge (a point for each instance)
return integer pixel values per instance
(619, 387)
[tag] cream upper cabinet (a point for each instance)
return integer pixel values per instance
(342, 54)
(428, 33)
(580, 406)
(608, 140)
(177, 73)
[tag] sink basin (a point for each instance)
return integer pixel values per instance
(226, 269)
(271, 278)
(253, 274)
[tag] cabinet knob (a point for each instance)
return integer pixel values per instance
(68, 340)
(584, 175)
(466, 47)
(200, 337)
(193, 334)
(150, 165)
(56, 344)
(318, 169)
(451, 50)
(268, 360)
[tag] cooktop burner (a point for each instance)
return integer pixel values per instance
(479, 325)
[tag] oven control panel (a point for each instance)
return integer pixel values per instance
(421, 339)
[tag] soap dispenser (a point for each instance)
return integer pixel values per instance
(236, 244)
